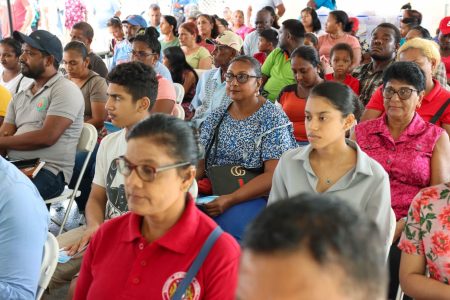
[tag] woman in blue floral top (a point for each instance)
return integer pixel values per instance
(253, 133)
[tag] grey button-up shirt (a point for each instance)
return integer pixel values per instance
(365, 187)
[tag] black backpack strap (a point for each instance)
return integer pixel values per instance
(198, 262)
(439, 113)
(18, 84)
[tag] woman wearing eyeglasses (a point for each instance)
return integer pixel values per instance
(426, 55)
(414, 153)
(251, 133)
(146, 48)
(146, 253)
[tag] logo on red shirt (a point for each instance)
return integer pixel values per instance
(171, 284)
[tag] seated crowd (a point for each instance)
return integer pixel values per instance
(306, 149)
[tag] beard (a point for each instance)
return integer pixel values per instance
(34, 73)
(381, 57)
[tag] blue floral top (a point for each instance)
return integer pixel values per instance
(265, 135)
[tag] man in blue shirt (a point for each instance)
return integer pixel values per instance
(23, 232)
(210, 93)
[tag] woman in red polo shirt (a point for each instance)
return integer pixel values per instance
(426, 55)
(146, 253)
(304, 65)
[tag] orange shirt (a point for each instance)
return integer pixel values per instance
(294, 107)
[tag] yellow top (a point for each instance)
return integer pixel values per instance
(5, 97)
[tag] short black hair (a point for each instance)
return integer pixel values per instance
(253, 62)
(14, 44)
(150, 37)
(78, 47)
(334, 233)
(308, 53)
(407, 72)
(271, 36)
(295, 28)
(414, 14)
(340, 96)
(177, 136)
(312, 37)
(87, 29)
(397, 34)
(423, 32)
(342, 47)
(138, 79)
(342, 17)
(316, 25)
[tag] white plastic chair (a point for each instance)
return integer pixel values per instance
(193, 190)
(179, 89)
(392, 223)
(48, 265)
(86, 143)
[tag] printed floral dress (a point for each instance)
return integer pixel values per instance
(427, 230)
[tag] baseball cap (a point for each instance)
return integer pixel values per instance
(135, 20)
(444, 26)
(227, 38)
(43, 41)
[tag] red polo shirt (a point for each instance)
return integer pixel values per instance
(350, 81)
(431, 103)
(120, 264)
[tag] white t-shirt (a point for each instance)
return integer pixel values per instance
(107, 175)
(13, 83)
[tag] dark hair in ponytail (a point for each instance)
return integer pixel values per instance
(172, 22)
(149, 36)
(176, 135)
(212, 20)
(342, 17)
(78, 47)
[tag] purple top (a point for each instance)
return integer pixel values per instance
(407, 160)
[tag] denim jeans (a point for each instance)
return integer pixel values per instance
(86, 181)
(48, 184)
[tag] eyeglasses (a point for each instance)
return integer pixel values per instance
(141, 54)
(403, 93)
(241, 78)
(145, 172)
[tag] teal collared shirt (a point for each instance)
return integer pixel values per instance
(365, 187)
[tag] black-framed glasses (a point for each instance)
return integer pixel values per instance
(145, 172)
(141, 54)
(403, 93)
(241, 77)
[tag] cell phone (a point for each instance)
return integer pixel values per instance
(25, 163)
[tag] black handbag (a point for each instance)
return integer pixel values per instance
(227, 178)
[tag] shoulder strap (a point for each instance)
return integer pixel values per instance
(18, 84)
(440, 112)
(89, 79)
(214, 139)
(193, 270)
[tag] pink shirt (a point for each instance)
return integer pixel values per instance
(428, 230)
(166, 90)
(407, 160)
(326, 43)
(243, 31)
